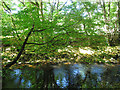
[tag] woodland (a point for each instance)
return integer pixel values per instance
(56, 31)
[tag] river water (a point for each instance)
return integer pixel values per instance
(64, 76)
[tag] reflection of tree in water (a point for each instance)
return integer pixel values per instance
(48, 79)
(41, 78)
(77, 75)
(111, 77)
(38, 78)
(61, 76)
(95, 74)
(69, 76)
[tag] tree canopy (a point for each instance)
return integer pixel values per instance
(44, 27)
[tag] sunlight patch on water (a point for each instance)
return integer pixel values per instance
(61, 77)
(78, 69)
(17, 72)
(63, 83)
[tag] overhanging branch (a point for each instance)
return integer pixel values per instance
(48, 41)
(51, 39)
(21, 50)
(39, 30)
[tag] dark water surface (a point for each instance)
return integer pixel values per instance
(64, 76)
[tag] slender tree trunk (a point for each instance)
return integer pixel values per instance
(22, 48)
(104, 12)
(110, 36)
(119, 19)
(41, 9)
(57, 7)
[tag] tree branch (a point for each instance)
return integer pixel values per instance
(104, 11)
(41, 9)
(39, 30)
(22, 2)
(51, 39)
(87, 10)
(35, 4)
(56, 28)
(55, 36)
(62, 6)
(6, 6)
(22, 48)
(10, 16)
(119, 18)
(109, 10)
(47, 41)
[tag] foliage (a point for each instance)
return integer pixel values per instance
(57, 25)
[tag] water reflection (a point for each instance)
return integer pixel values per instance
(64, 76)
(78, 69)
(61, 77)
(97, 70)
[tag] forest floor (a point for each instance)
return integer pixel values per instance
(104, 55)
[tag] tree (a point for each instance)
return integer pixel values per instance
(45, 27)
(110, 20)
(119, 19)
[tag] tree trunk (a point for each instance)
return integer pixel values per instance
(119, 19)
(41, 9)
(22, 48)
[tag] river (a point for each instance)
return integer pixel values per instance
(64, 76)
